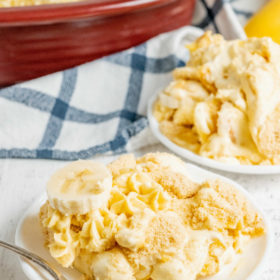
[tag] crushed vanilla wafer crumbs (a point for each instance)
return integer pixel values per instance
(158, 224)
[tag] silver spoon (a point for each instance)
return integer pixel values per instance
(34, 258)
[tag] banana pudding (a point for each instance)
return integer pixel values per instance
(144, 219)
(224, 104)
(20, 3)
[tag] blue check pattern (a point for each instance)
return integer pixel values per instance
(58, 110)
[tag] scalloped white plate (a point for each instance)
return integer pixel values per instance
(249, 265)
(187, 154)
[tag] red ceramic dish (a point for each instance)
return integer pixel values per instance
(39, 40)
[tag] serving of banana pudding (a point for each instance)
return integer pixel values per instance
(144, 219)
(224, 104)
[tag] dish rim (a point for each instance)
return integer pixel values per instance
(189, 155)
(61, 12)
(205, 173)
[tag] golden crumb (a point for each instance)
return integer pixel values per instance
(165, 235)
(176, 184)
(123, 164)
(218, 206)
(170, 177)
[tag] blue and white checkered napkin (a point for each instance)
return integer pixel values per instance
(100, 107)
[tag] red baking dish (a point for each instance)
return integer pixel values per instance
(39, 40)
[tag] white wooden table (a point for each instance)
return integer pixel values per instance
(22, 181)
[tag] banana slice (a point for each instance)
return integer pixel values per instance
(79, 187)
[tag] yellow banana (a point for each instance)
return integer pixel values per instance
(79, 187)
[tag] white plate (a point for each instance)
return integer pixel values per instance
(187, 154)
(29, 236)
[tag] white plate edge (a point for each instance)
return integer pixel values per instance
(187, 154)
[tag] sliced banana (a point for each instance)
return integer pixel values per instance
(79, 187)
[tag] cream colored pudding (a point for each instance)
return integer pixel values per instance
(156, 223)
(20, 3)
(224, 104)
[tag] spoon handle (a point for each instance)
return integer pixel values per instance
(34, 258)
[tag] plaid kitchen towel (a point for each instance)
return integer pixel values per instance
(100, 107)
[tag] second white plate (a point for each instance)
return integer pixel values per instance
(187, 154)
